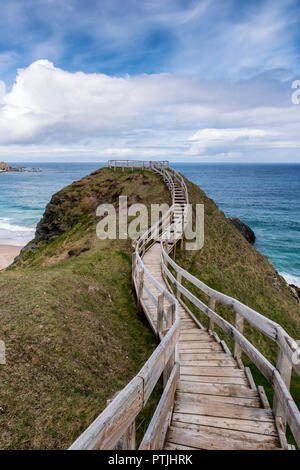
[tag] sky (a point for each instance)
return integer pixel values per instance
(183, 80)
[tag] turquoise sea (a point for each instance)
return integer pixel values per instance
(265, 196)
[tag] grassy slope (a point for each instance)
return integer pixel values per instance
(231, 265)
(70, 325)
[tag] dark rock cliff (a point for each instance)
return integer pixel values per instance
(245, 230)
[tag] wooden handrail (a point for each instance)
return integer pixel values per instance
(270, 328)
(279, 376)
(119, 415)
(138, 164)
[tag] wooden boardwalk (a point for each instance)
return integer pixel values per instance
(214, 405)
(209, 398)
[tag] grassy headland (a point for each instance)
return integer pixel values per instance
(68, 315)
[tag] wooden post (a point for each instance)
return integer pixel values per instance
(127, 441)
(169, 366)
(182, 232)
(140, 287)
(169, 317)
(174, 250)
(284, 367)
(237, 350)
(178, 293)
(211, 306)
(133, 265)
(160, 313)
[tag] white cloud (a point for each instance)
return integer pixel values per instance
(52, 110)
(205, 138)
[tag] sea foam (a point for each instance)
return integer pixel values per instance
(13, 234)
(290, 279)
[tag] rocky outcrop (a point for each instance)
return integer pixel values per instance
(245, 230)
(295, 291)
(5, 168)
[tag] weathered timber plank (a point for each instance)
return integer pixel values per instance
(247, 425)
(217, 389)
(213, 371)
(155, 365)
(153, 433)
(224, 411)
(213, 442)
(202, 356)
(111, 424)
(263, 397)
(288, 404)
(210, 363)
(199, 345)
(214, 380)
(250, 378)
(192, 337)
(185, 397)
(187, 325)
(195, 331)
(256, 439)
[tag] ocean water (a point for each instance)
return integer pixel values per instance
(266, 197)
(23, 196)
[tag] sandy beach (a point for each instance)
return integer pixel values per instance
(8, 254)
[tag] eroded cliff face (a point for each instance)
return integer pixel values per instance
(78, 202)
(73, 209)
(245, 230)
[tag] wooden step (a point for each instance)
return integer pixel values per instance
(234, 390)
(183, 397)
(199, 345)
(224, 362)
(224, 410)
(199, 336)
(212, 371)
(214, 380)
(214, 406)
(222, 423)
(209, 439)
(203, 356)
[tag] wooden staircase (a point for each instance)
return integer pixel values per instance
(209, 400)
(214, 405)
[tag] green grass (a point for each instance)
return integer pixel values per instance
(69, 320)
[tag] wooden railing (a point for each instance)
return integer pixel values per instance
(284, 406)
(137, 164)
(114, 427)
